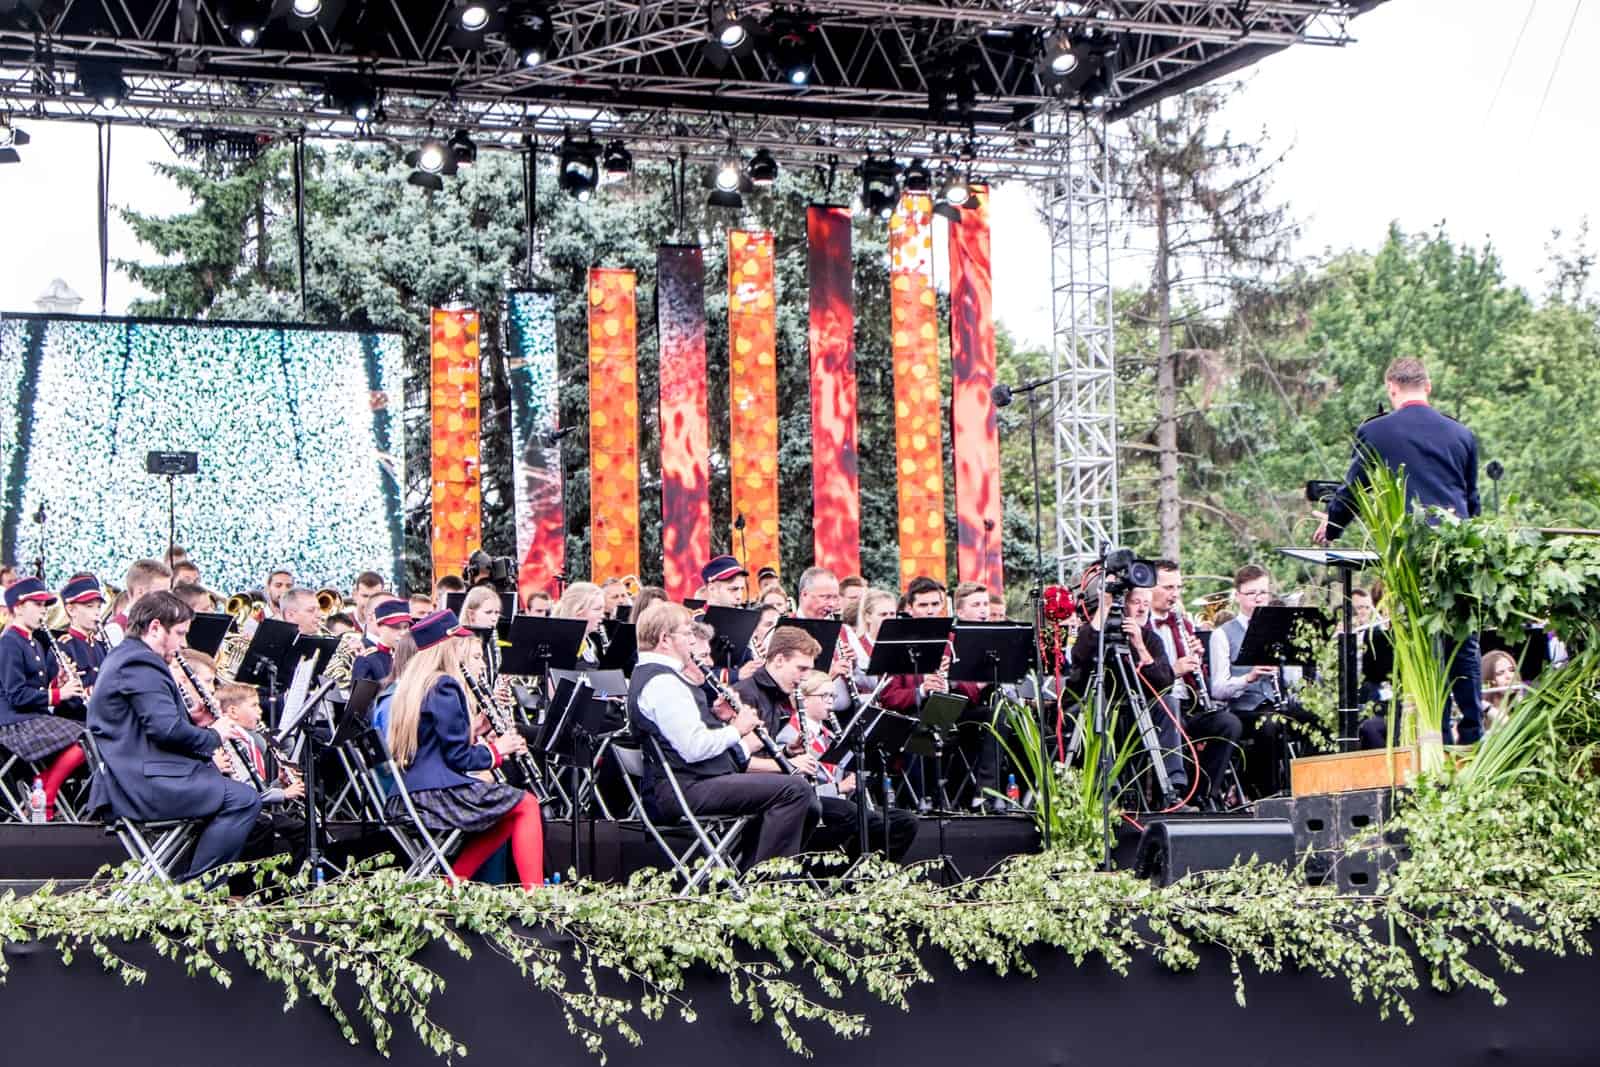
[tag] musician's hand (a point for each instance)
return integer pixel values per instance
(933, 683)
(746, 720)
(1135, 634)
(73, 688)
(722, 710)
(806, 764)
(222, 759)
(847, 785)
(749, 669)
(1321, 536)
(510, 744)
(227, 728)
(294, 790)
(1186, 665)
(1257, 673)
(839, 667)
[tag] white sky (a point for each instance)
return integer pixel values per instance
(1397, 126)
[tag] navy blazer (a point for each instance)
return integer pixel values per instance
(375, 663)
(445, 751)
(159, 762)
(1440, 457)
(26, 673)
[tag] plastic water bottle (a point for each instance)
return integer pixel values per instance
(1013, 794)
(36, 802)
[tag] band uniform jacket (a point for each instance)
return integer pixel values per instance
(1439, 455)
(26, 675)
(159, 762)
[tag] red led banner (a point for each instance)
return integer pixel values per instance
(753, 396)
(685, 432)
(453, 407)
(613, 425)
(836, 490)
(919, 453)
(973, 424)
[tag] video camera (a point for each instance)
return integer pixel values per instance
(497, 571)
(1119, 571)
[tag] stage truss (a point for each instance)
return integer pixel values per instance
(956, 82)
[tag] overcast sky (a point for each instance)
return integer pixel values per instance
(1411, 123)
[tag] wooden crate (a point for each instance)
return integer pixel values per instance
(1344, 772)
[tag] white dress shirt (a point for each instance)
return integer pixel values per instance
(667, 700)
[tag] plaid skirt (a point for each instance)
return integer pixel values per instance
(38, 736)
(471, 807)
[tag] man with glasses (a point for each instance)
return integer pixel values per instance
(1251, 692)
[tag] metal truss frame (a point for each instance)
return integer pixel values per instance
(638, 69)
(1081, 210)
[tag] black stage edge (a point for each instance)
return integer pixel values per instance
(29, 853)
(1066, 1016)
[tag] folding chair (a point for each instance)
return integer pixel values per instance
(157, 845)
(425, 852)
(16, 782)
(712, 838)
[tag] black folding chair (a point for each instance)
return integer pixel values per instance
(711, 839)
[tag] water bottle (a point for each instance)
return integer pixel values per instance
(1013, 794)
(36, 802)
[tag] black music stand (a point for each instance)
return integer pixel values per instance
(909, 646)
(622, 646)
(311, 749)
(1271, 640)
(734, 627)
(540, 645)
(577, 719)
(263, 657)
(939, 713)
(887, 732)
(995, 653)
(322, 648)
(826, 631)
(208, 630)
(1346, 562)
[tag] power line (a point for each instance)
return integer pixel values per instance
(1511, 59)
(1556, 67)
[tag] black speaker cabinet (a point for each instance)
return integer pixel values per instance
(1170, 850)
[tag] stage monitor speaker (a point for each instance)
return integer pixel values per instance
(1170, 850)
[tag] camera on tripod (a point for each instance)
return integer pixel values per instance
(499, 572)
(1120, 571)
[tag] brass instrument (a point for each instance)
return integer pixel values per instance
(246, 606)
(230, 656)
(341, 665)
(243, 767)
(111, 593)
(1211, 605)
(329, 602)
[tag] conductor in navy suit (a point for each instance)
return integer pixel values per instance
(1440, 459)
(158, 764)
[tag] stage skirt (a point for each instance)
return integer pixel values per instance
(471, 808)
(38, 736)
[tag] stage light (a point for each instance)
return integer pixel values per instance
(954, 189)
(728, 175)
(532, 37)
(432, 155)
(580, 168)
(617, 161)
(880, 186)
(917, 179)
(763, 169)
(729, 198)
(357, 95)
(101, 81)
(307, 9)
(11, 139)
(796, 55)
(472, 17)
(463, 148)
(726, 28)
(1056, 54)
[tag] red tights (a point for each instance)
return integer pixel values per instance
(69, 760)
(524, 825)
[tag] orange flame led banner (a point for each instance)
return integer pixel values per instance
(973, 424)
(534, 377)
(685, 427)
(836, 489)
(613, 425)
(753, 396)
(919, 453)
(453, 370)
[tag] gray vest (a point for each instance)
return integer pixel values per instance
(1258, 691)
(722, 763)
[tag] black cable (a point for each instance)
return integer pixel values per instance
(102, 139)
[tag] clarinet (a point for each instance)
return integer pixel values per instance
(501, 722)
(768, 745)
(1191, 644)
(241, 755)
(65, 668)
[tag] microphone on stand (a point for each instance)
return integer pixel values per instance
(1003, 394)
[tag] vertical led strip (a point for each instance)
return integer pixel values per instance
(535, 415)
(753, 397)
(685, 425)
(973, 424)
(453, 366)
(836, 490)
(919, 455)
(613, 425)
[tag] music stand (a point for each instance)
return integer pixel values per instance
(826, 631)
(909, 646)
(1346, 562)
(208, 630)
(1271, 641)
(576, 720)
(305, 723)
(939, 713)
(996, 653)
(268, 647)
(734, 627)
(540, 645)
(322, 648)
(888, 731)
(622, 646)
